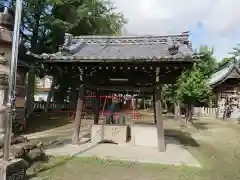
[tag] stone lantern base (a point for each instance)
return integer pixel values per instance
(2, 121)
(13, 169)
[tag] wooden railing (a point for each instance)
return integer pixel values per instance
(205, 111)
(197, 111)
(52, 105)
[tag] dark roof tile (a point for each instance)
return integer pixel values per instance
(124, 47)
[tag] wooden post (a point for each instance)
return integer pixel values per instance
(133, 103)
(77, 122)
(218, 103)
(154, 108)
(96, 108)
(159, 118)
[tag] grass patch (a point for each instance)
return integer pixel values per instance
(217, 151)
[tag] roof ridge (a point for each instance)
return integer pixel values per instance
(225, 65)
(130, 36)
(216, 77)
(102, 39)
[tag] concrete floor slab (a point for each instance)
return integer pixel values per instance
(175, 154)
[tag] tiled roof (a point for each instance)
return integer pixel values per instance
(222, 74)
(123, 48)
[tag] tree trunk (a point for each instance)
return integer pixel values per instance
(77, 122)
(30, 91)
(210, 102)
(189, 113)
(31, 84)
(165, 106)
(50, 94)
(177, 109)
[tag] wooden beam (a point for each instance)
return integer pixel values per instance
(121, 88)
(96, 106)
(77, 122)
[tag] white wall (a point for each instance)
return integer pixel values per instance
(44, 82)
(41, 96)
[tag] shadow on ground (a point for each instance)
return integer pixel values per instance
(41, 121)
(184, 138)
(200, 125)
(67, 140)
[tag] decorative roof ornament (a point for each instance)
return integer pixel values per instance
(185, 40)
(173, 47)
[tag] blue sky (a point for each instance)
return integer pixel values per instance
(215, 23)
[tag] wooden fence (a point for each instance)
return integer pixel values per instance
(52, 105)
(204, 111)
(197, 111)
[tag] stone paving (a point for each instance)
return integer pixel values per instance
(142, 149)
(175, 154)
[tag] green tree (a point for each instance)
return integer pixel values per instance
(45, 22)
(236, 51)
(169, 95)
(192, 89)
(207, 63)
(85, 17)
(235, 54)
(33, 29)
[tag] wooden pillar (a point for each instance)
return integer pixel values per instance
(77, 122)
(154, 107)
(96, 106)
(159, 118)
(133, 102)
(218, 104)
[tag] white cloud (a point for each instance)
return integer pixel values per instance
(220, 18)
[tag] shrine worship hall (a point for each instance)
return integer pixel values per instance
(122, 68)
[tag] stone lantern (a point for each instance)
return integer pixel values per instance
(6, 29)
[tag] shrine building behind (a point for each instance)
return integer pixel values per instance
(226, 87)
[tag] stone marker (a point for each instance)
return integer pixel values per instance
(144, 135)
(112, 132)
(13, 170)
